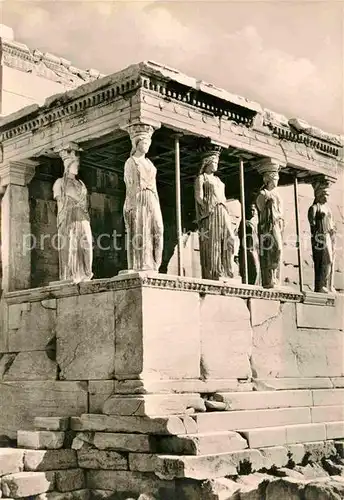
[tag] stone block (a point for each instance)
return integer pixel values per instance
(296, 452)
(333, 490)
(262, 311)
(26, 400)
(317, 451)
(286, 488)
(282, 350)
(69, 480)
(270, 436)
(327, 413)
(338, 382)
(255, 400)
(142, 352)
(152, 405)
(51, 423)
(225, 334)
(24, 484)
(44, 440)
(124, 442)
(32, 365)
(303, 433)
(88, 353)
(196, 467)
(72, 495)
(328, 397)
(30, 320)
(274, 456)
(253, 486)
(11, 461)
(99, 459)
(321, 317)
(143, 425)
(129, 482)
(250, 419)
(42, 460)
(201, 444)
(279, 384)
(339, 445)
(99, 391)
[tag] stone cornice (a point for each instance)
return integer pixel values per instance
(151, 280)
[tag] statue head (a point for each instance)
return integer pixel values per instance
(141, 138)
(270, 180)
(251, 211)
(70, 156)
(210, 161)
(321, 191)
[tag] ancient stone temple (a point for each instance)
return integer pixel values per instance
(192, 348)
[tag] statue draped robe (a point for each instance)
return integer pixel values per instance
(216, 235)
(270, 230)
(74, 230)
(323, 246)
(142, 215)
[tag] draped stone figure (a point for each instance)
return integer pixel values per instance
(270, 226)
(142, 212)
(323, 233)
(252, 246)
(73, 221)
(216, 236)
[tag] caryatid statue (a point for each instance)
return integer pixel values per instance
(216, 235)
(323, 233)
(271, 224)
(252, 246)
(73, 220)
(142, 212)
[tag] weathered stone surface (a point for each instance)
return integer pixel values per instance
(253, 486)
(152, 405)
(328, 397)
(102, 459)
(320, 317)
(234, 420)
(34, 318)
(280, 349)
(24, 484)
(332, 468)
(99, 391)
(142, 425)
(196, 467)
(89, 352)
(73, 495)
(304, 433)
(45, 440)
(201, 444)
(338, 382)
(143, 352)
(129, 482)
(261, 437)
(327, 414)
(276, 384)
(124, 442)
(26, 400)
(274, 456)
(225, 334)
(51, 423)
(339, 445)
(69, 480)
(32, 365)
(11, 461)
(255, 400)
(296, 452)
(286, 489)
(42, 460)
(262, 311)
(318, 450)
(334, 430)
(324, 491)
(311, 471)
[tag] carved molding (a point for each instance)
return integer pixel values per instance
(138, 280)
(17, 172)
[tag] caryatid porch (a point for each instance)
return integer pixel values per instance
(204, 323)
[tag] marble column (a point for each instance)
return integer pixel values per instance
(16, 238)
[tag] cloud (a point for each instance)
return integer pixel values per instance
(111, 35)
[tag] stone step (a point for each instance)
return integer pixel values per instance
(289, 434)
(201, 444)
(250, 419)
(51, 423)
(41, 439)
(330, 413)
(256, 400)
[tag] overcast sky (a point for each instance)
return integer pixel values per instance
(285, 54)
